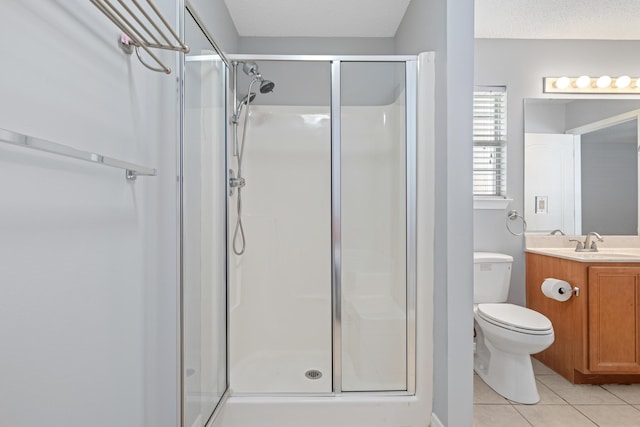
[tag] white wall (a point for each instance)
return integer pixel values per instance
(544, 117)
(88, 271)
(317, 45)
(521, 65)
(446, 27)
(218, 21)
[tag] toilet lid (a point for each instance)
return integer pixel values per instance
(515, 317)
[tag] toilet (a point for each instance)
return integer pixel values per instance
(506, 335)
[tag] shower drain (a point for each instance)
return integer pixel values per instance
(313, 374)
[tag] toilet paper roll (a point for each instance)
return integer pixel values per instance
(557, 289)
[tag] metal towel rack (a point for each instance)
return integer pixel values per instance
(135, 22)
(132, 170)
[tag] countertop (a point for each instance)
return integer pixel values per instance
(612, 249)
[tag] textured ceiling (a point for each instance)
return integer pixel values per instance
(317, 18)
(558, 19)
(525, 19)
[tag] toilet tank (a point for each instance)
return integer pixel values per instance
(491, 277)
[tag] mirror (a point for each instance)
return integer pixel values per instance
(581, 166)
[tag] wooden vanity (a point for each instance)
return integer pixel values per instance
(597, 333)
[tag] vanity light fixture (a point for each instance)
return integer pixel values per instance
(622, 82)
(563, 82)
(603, 82)
(593, 85)
(582, 81)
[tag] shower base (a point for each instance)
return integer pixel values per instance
(282, 372)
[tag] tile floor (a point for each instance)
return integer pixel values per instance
(562, 404)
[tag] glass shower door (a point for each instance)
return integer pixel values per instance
(373, 187)
(203, 234)
(323, 299)
(280, 287)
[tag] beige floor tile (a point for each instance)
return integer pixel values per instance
(484, 394)
(611, 415)
(579, 394)
(547, 396)
(497, 416)
(553, 416)
(540, 368)
(630, 393)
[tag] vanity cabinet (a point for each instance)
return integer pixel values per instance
(597, 334)
(613, 322)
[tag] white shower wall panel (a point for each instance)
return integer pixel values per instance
(373, 190)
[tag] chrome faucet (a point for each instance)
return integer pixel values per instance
(588, 245)
(557, 231)
(592, 245)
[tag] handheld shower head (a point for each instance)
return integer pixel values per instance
(246, 100)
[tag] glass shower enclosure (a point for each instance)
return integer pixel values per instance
(203, 196)
(322, 301)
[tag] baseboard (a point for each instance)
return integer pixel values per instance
(435, 421)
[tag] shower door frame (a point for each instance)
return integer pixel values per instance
(411, 65)
(186, 8)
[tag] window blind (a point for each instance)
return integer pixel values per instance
(489, 141)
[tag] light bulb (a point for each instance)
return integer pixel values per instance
(623, 81)
(603, 81)
(638, 83)
(583, 81)
(562, 83)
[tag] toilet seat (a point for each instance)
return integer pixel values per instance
(515, 318)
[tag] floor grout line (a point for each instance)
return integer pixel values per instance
(523, 416)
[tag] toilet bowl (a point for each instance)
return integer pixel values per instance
(506, 335)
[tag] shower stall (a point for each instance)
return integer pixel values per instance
(322, 294)
(306, 271)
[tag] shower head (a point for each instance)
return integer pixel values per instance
(251, 70)
(246, 100)
(267, 86)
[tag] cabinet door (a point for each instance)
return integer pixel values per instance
(614, 319)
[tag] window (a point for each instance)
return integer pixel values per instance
(489, 141)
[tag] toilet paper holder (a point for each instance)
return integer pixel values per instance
(575, 290)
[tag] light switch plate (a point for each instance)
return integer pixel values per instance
(541, 204)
